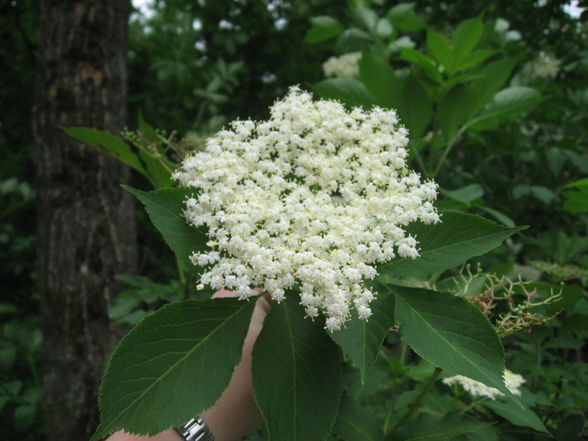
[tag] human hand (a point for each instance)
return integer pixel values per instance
(235, 413)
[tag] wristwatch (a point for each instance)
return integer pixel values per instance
(195, 430)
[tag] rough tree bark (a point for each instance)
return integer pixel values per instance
(86, 224)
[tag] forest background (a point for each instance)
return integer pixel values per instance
(193, 66)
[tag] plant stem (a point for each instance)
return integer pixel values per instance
(389, 415)
(448, 149)
(417, 402)
(472, 404)
(419, 160)
(403, 354)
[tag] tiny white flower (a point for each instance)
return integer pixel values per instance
(476, 389)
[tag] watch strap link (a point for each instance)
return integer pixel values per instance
(195, 430)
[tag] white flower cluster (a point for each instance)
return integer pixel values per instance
(345, 66)
(546, 66)
(512, 382)
(314, 197)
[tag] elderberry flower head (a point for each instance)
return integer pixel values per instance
(315, 197)
(512, 382)
(344, 66)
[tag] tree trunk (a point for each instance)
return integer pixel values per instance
(86, 223)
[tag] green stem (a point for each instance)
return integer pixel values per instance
(418, 400)
(472, 404)
(447, 150)
(389, 414)
(419, 160)
(182, 277)
(403, 354)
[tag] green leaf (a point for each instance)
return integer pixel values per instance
(165, 208)
(108, 143)
(422, 61)
(438, 428)
(439, 48)
(404, 18)
(361, 339)
(347, 90)
(158, 174)
(153, 156)
(475, 58)
(451, 333)
(576, 201)
(169, 367)
(24, 416)
(323, 28)
(353, 40)
(379, 78)
(544, 194)
(466, 37)
(147, 130)
(355, 424)
(453, 111)
(517, 414)
(366, 18)
(487, 82)
(296, 375)
(508, 103)
(581, 183)
(465, 195)
(457, 238)
(7, 357)
(415, 108)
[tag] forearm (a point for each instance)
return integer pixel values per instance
(235, 413)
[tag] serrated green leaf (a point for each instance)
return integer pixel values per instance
(453, 111)
(353, 40)
(169, 367)
(457, 238)
(466, 195)
(296, 375)
(438, 46)
(466, 37)
(108, 143)
(404, 18)
(581, 183)
(451, 333)
(515, 413)
(165, 208)
(355, 424)
(153, 156)
(488, 81)
(422, 61)
(438, 428)
(323, 28)
(414, 108)
(475, 58)
(361, 339)
(507, 103)
(347, 90)
(379, 78)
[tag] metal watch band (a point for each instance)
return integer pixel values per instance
(195, 430)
